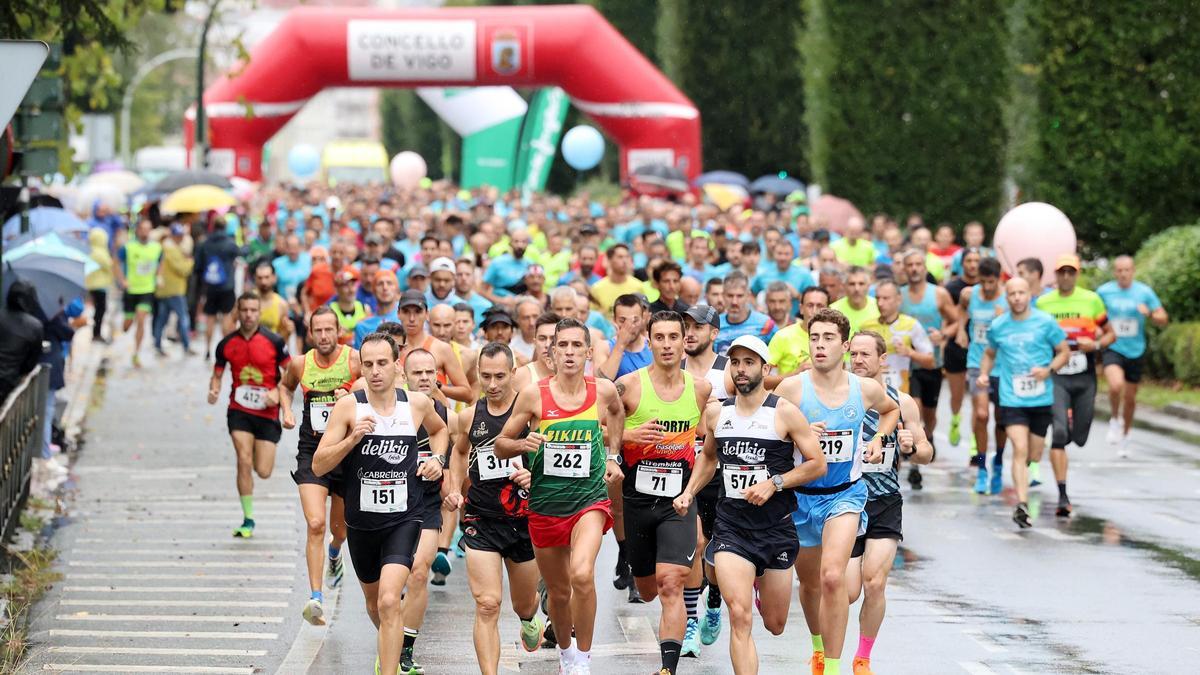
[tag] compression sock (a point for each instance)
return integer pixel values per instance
(318, 596)
(818, 644)
(670, 654)
(410, 637)
(714, 596)
(833, 666)
(248, 507)
(621, 559)
(864, 646)
(334, 551)
(691, 598)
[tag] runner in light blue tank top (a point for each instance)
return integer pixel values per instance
(981, 313)
(925, 311)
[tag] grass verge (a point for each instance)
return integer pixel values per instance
(1156, 394)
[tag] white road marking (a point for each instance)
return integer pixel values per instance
(124, 522)
(177, 589)
(309, 639)
(139, 539)
(983, 641)
(224, 564)
(155, 651)
(189, 552)
(195, 576)
(166, 634)
(85, 668)
(976, 668)
(637, 629)
(166, 618)
(77, 602)
(1054, 534)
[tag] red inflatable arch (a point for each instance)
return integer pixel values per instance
(571, 46)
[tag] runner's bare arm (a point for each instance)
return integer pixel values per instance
(922, 449)
(510, 443)
(341, 435)
(964, 299)
(521, 378)
(355, 365)
(706, 462)
(985, 366)
(949, 313)
(1062, 354)
(439, 435)
(613, 414)
(459, 458)
(796, 426)
(287, 387)
(214, 383)
(875, 398)
(458, 388)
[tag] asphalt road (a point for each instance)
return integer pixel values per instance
(155, 583)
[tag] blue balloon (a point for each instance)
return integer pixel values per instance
(583, 147)
(303, 160)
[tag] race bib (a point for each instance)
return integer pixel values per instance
(492, 467)
(318, 414)
(1028, 386)
(979, 331)
(1125, 328)
(889, 457)
(567, 460)
(893, 379)
(1077, 364)
(383, 496)
(659, 481)
(836, 445)
(145, 268)
(251, 397)
(740, 477)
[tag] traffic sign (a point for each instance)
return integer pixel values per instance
(20, 61)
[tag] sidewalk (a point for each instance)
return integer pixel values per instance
(152, 579)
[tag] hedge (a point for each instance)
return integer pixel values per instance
(1170, 263)
(1171, 354)
(907, 106)
(1118, 116)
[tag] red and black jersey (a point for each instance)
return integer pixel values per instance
(257, 363)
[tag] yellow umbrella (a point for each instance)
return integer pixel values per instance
(724, 196)
(197, 199)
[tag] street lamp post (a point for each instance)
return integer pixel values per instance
(200, 150)
(127, 98)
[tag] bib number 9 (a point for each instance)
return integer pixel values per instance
(318, 414)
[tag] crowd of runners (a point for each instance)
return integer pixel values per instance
(735, 395)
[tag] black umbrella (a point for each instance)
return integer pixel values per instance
(181, 179)
(660, 176)
(775, 185)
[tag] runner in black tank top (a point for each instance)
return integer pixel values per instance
(496, 529)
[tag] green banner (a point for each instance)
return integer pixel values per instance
(487, 155)
(539, 138)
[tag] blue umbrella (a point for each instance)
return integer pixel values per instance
(49, 246)
(69, 239)
(722, 177)
(58, 280)
(775, 185)
(43, 220)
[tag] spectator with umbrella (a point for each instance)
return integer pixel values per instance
(98, 281)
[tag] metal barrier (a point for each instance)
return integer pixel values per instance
(22, 420)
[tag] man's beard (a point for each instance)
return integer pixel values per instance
(749, 387)
(518, 253)
(699, 349)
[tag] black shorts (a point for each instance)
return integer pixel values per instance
(263, 429)
(303, 474)
(1132, 367)
(925, 385)
(507, 536)
(655, 533)
(219, 301)
(706, 506)
(771, 548)
(131, 301)
(431, 518)
(1037, 418)
(370, 550)
(884, 521)
(955, 360)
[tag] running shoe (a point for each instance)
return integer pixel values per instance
(691, 639)
(1035, 474)
(622, 575)
(1115, 431)
(1021, 516)
(456, 545)
(246, 530)
(997, 478)
(915, 480)
(635, 598)
(335, 572)
(1064, 508)
(548, 637)
(137, 361)
(377, 667)
(532, 632)
(313, 612)
(981, 481)
(955, 435)
(441, 567)
(817, 663)
(158, 351)
(711, 629)
(408, 666)
(1123, 447)
(862, 666)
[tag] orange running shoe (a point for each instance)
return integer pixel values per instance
(818, 663)
(862, 666)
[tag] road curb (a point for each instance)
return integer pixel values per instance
(309, 639)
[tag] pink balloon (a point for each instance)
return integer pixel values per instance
(1033, 230)
(834, 212)
(407, 169)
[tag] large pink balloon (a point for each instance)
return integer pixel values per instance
(1033, 230)
(834, 212)
(407, 169)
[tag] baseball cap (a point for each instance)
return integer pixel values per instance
(1067, 260)
(412, 298)
(177, 229)
(705, 315)
(345, 276)
(752, 343)
(372, 238)
(497, 316)
(588, 229)
(418, 270)
(442, 264)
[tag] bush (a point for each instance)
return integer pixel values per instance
(1118, 115)
(1170, 263)
(1171, 353)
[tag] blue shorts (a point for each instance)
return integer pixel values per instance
(813, 510)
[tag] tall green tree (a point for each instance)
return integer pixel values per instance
(907, 104)
(1118, 117)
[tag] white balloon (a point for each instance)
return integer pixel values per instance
(407, 169)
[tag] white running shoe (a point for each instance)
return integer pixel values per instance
(1123, 447)
(1115, 431)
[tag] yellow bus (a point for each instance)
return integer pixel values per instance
(354, 161)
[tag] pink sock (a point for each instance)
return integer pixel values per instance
(864, 647)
